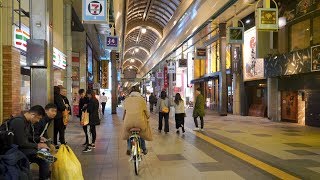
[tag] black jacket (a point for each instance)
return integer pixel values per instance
(58, 101)
(21, 129)
(66, 101)
(93, 110)
(82, 102)
(39, 127)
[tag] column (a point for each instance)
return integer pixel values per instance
(274, 110)
(223, 93)
(68, 44)
(1, 68)
(236, 80)
(114, 80)
(170, 87)
(42, 78)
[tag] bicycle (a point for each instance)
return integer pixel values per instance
(136, 155)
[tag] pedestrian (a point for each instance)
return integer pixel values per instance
(152, 101)
(103, 100)
(163, 109)
(83, 103)
(93, 110)
(179, 112)
(198, 110)
(59, 127)
(63, 93)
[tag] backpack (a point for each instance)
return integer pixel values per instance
(6, 136)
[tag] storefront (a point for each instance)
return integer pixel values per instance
(59, 67)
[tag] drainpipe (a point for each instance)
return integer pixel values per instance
(1, 68)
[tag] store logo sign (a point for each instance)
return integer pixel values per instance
(267, 19)
(20, 37)
(235, 35)
(59, 59)
(95, 8)
(94, 11)
(112, 43)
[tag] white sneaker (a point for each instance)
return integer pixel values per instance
(196, 129)
(202, 130)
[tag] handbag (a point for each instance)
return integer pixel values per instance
(84, 118)
(65, 115)
(164, 108)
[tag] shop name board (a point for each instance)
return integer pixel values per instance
(165, 75)
(201, 53)
(59, 59)
(315, 58)
(20, 37)
(112, 43)
(159, 75)
(94, 11)
(172, 69)
(267, 19)
(183, 63)
(235, 35)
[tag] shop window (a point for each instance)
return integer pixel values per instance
(316, 30)
(300, 35)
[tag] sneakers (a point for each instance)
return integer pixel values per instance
(196, 129)
(93, 146)
(183, 130)
(178, 132)
(45, 155)
(202, 130)
(87, 149)
(145, 152)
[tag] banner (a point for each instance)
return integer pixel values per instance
(253, 68)
(105, 74)
(94, 11)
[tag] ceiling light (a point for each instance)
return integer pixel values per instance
(132, 60)
(130, 67)
(136, 49)
(248, 21)
(143, 30)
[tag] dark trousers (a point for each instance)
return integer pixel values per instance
(151, 107)
(43, 166)
(166, 121)
(196, 121)
(59, 128)
(86, 133)
(179, 120)
(93, 133)
(103, 107)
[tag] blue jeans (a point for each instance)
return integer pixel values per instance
(142, 144)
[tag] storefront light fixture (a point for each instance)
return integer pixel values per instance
(282, 22)
(143, 30)
(248, 21)
(130, 67)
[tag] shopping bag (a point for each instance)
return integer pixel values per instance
(66, 117)
(84, 118)
(67, 166)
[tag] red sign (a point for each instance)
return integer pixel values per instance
(166, 79)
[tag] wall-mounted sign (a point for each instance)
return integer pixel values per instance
(59, 59)
(315, 58)
(235, 35)
(159, 75)
(201, 53)
(153, 79)
(20, 37)
(253, 68)
(105, 74)
(112, 42)
(94, 11)
(37, 53)
(267, 19)
(172, 68)
(183, 63)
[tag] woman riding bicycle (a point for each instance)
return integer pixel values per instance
(136, 115)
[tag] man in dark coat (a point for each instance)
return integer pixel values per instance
(152, 101)
(63, 93)
(59, 127)
(21, 128)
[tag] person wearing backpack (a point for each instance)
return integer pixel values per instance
(20, 127)
(163, 109)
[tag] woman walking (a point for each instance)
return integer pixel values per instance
(93, 110)
(163, 108)
(179, 112)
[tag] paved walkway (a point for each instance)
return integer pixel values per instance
(232, 147)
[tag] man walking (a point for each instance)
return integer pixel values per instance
(152, 101)
(103, 100)
(198, 110)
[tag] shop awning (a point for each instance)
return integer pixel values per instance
(208, 77)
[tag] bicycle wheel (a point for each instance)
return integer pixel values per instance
(136, 160)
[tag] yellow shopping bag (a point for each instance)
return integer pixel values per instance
(67, 166)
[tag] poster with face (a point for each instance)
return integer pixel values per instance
(252, 66)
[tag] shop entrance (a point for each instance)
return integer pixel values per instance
(289, 106)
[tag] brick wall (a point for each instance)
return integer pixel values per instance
(11, 81)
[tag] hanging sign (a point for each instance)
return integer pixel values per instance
(172, 68)
(94, 11)
(183, 63)
(112, 43)
(235, 35)
(267, 19)
(166, 79)
(201, 53)
(59, 59)
(105, 74)
(159, 75)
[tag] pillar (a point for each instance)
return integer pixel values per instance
(274, 107)
(68, 44)
(114, 79)
(1, 67)
(42, 78)
(223, 92)
(237, 79)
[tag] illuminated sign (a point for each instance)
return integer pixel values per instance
(59, 59)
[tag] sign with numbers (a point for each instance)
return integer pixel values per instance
(112, 42)
(94, 11)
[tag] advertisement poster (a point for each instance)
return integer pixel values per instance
(90, 67)
(252, 67)
(315, 58)
(105, 74)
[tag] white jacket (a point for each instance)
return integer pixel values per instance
(179, 108)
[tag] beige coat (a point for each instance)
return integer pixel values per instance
(136, 115)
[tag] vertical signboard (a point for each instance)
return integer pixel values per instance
(166, 79)
(105, 74)
(252, 67)
(94, 11)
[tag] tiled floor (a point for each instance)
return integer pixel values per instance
(186, 156)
